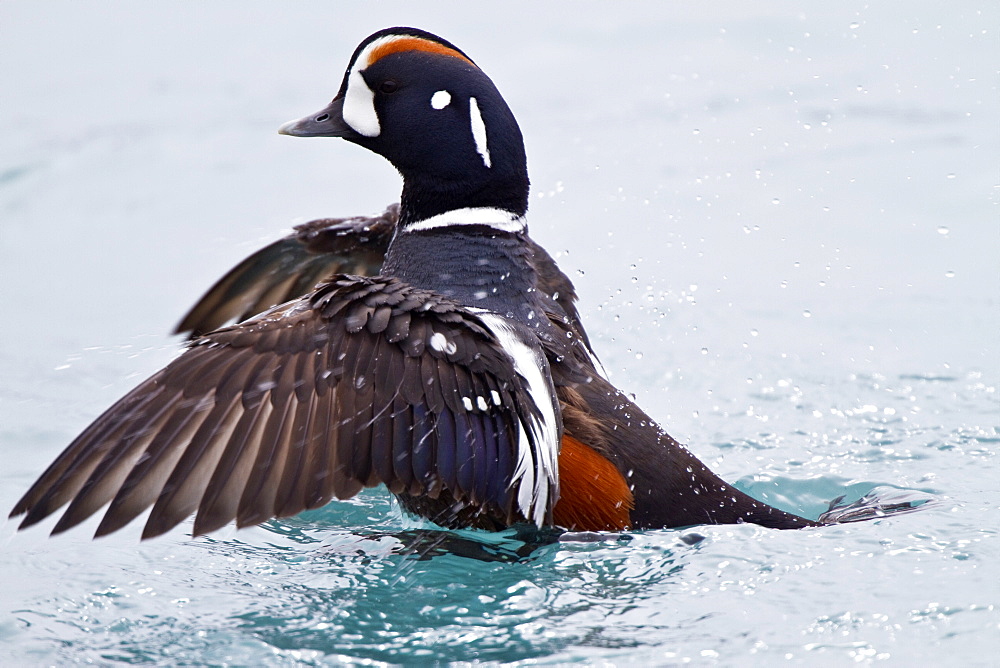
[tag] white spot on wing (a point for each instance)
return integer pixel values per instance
(440, 99)
(467, 403)
(442, 344)
(479, 131)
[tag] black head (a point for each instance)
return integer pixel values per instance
(425, 106)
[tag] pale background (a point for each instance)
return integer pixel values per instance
(782, 220)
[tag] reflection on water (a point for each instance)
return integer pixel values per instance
(392, 605)
(307, 589)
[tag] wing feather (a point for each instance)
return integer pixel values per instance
(365, 381)
(220, 503)
(187, 482)
(257, 502)
(289, 268)
(64, 477)
(146, 480)
(108, 476)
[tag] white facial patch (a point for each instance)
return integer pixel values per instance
(479, 131)
(440, 99)
(359, 100)
(359, 105)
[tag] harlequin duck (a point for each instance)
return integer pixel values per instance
(451, 367)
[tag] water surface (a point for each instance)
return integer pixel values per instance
(783, 224)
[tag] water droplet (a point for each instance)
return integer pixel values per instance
(775, 201)
(638, 356)
(704, 351)
(855, 25)
(696, 131)
(951, 176)
(754, 332)
(943, 230)
(807, 313)
(949, 274)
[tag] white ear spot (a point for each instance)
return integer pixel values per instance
(479, 131)
(440, 99)
(359, 105)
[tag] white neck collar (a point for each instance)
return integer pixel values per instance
(498, 219)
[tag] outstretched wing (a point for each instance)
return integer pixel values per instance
(291, 267)
(367, 381)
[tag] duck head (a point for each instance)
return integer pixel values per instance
(423, 104)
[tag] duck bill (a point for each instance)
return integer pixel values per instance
(327, 122)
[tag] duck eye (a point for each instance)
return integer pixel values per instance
(388, 86)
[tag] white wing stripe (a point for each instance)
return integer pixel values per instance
(537, 467)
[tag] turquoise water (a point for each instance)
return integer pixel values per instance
(783, 223)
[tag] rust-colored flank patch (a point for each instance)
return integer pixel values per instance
(593, 495)
(413, 44)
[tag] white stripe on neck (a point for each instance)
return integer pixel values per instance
(498, 219)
